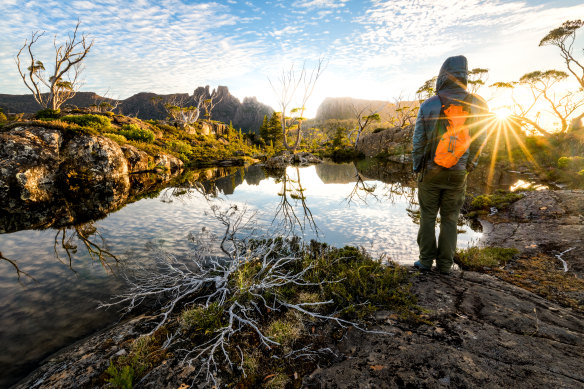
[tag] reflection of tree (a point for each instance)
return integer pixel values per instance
(394, 190)
(361, 191)
(15, 266)
(292, 190)
(91, 239)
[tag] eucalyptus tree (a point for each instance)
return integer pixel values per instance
(62, 82)
(295, 87)
(563, 38)
(365, 116)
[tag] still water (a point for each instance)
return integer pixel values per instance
(71, 269)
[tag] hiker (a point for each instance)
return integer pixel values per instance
(445, 150)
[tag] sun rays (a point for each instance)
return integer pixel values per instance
(497, 132)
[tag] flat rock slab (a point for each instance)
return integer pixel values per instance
(551, 222)
(485, 333)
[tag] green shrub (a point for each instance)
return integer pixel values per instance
(179, 147)
(133, 132)
(572, 163)
(202, 320)
(97, 122)
(48, 114)
(475, 258)
(116, 138)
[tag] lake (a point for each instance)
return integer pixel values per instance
(69, 270)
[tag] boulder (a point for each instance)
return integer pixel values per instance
(29, 161)
(393, 140)
(168, 162)
(137, 159)
(286, 159)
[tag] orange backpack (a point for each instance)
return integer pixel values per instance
(455, 141)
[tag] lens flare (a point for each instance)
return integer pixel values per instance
(502, 113)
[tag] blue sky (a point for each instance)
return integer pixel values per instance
(376, 49)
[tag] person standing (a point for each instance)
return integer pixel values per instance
(450, 129)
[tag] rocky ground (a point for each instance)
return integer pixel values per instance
(479, 330)
(549, 222)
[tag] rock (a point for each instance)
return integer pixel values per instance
(168, 162)
(137, 159)
(492, 335)
(391, 140)
(286, 159)
(94, 158)
(29, 162)
(542, 221)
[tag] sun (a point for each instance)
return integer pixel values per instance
(502, 113)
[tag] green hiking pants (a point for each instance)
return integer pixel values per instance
(440, 190)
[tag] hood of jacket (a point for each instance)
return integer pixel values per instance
(453, 78)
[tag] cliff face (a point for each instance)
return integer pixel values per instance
(247, 115)
(395, 140)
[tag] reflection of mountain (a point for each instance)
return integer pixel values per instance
(254, 175)
(388, 172)
(333, 173)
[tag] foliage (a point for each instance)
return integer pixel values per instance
(475, 258)
(134, 132)
(97, 122)
(202, 320)
(500, 200)
(574, 163)
(48, 113)
(120, 139)
(145, 353)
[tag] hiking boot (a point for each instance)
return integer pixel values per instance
(418, 265)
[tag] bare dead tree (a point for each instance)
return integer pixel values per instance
(63, 82)
(365, 116)
(210, 103)
(295, 87)
(182, 112)
(243, 273)
(405, 112)
(105, 103)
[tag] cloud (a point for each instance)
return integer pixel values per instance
(320, 3)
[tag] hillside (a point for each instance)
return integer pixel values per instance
(247, 115)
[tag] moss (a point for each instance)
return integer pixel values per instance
(500, 200)
(544, 275)
(202, 320)
(475, 258)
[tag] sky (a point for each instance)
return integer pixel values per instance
(373, 49)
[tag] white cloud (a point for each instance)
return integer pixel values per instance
(320, 3)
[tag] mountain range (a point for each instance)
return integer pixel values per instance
(247, 115)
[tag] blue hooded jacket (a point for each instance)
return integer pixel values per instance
(450, 86)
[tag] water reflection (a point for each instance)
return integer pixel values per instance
(365, 204)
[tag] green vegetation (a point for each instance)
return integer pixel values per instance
(477, 259)
(501, 199)
(144, 353)
(97, 122)
(134, 132)
(48, 113)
